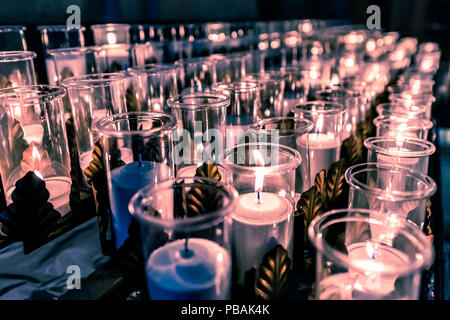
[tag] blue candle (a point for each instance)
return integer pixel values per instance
(200, 271)
(126, 181)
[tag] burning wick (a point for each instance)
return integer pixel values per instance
(259, 198)
(371, 250)
(140, 160)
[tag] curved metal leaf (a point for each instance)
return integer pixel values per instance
(321, 184)
(335, 180)
(131, 99)
(96, 165)
(208, 170)
(351, 150)
(310, 206)
(272, 282)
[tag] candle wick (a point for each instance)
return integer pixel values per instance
(140, 160)
(186, 249)
(259, 198)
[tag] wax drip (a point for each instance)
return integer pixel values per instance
(140, 160)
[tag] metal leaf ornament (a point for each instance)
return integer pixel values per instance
(310, 206)
(273, 279)
(66, 73)
(335, 180)
(131, 99)
(96, 165)
(351, 150)
(321, 184)
(208, 170)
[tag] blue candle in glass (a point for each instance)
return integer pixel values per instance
(125, 182)
(197, 269)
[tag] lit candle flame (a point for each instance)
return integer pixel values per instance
(319, 124)
(259, 178)
(371, 250)
(111, 37)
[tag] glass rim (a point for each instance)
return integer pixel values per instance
(152, 68)
(103, 123)
(405, 95)
(246, 85)
(110, 26)
(14, 56)
(416, 107)
(10, 28)
(315, 234)
(336, 108)
(194, 60)
(59, 27)
(429, 189)
(41, 93)
(94, 80)
(222, 101)
(200, 222)
(294, 157)
(306, 126)
(411, 124)
(73, 50)
(428, 147)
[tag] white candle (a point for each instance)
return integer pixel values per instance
(33, 133)
(258, 226)
(323, 151)
(372, 283)
(201, 273)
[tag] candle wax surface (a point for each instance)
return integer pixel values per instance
(203, 273)
(125, 182)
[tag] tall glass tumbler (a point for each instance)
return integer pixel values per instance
(264, 177)
(93, 97)
(59, 36)
(111, 33)
(33, 135)
(137, 153)
(289, 132)
(187, 252)
(113, 57)
(355, 261)
(201, 121)
(390, 189)
(152, 86)
(12, 38)
(325, 139)
(197, 74)
(396, 109)
(17, 68)
(406, 152)
(393, 126)
(244, 108)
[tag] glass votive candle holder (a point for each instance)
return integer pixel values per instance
(271, 95)
(34, 139)
(390, 189)
(152, 86)
(393, 126)
(406, 152)
(397, 109)
(17, 68)
(407, 98)
(355, 262)
(12, 38)
(137, 153)
(187, 252)
(201, 123)
(113, 57)
(111, 33)
(93, 97)
(59, 36)
(325, 138)
(147, 53)
(231, 67)
(244, 108)
(196, 74)
(292, 133)
(264, 177)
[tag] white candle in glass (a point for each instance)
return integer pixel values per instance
(33, 133)
(261, 220)
(323, 151)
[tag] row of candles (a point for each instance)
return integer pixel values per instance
(160, 122)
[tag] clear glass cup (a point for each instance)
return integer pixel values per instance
(231, 67)
(356, 261)
(137, 153)
(292, 133)
(113, 57)
(34, 139)
(12, 38)
(153, 85)
(396, 109)
(393, 126)
(406, 152)
(59, 36)
(187, 253)
(271, 95)
(263, 217)
(93, 97)
(408, 99)
(197, 74)
(325, 138)
(17, 68)
(147, 53)
(244, 107)
(390, 189)
(201, 121)
(111, 33)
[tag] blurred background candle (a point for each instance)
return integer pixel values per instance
(12, 38)
(263, 216)
(187, 256)
(17, 68)
(149, 137)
